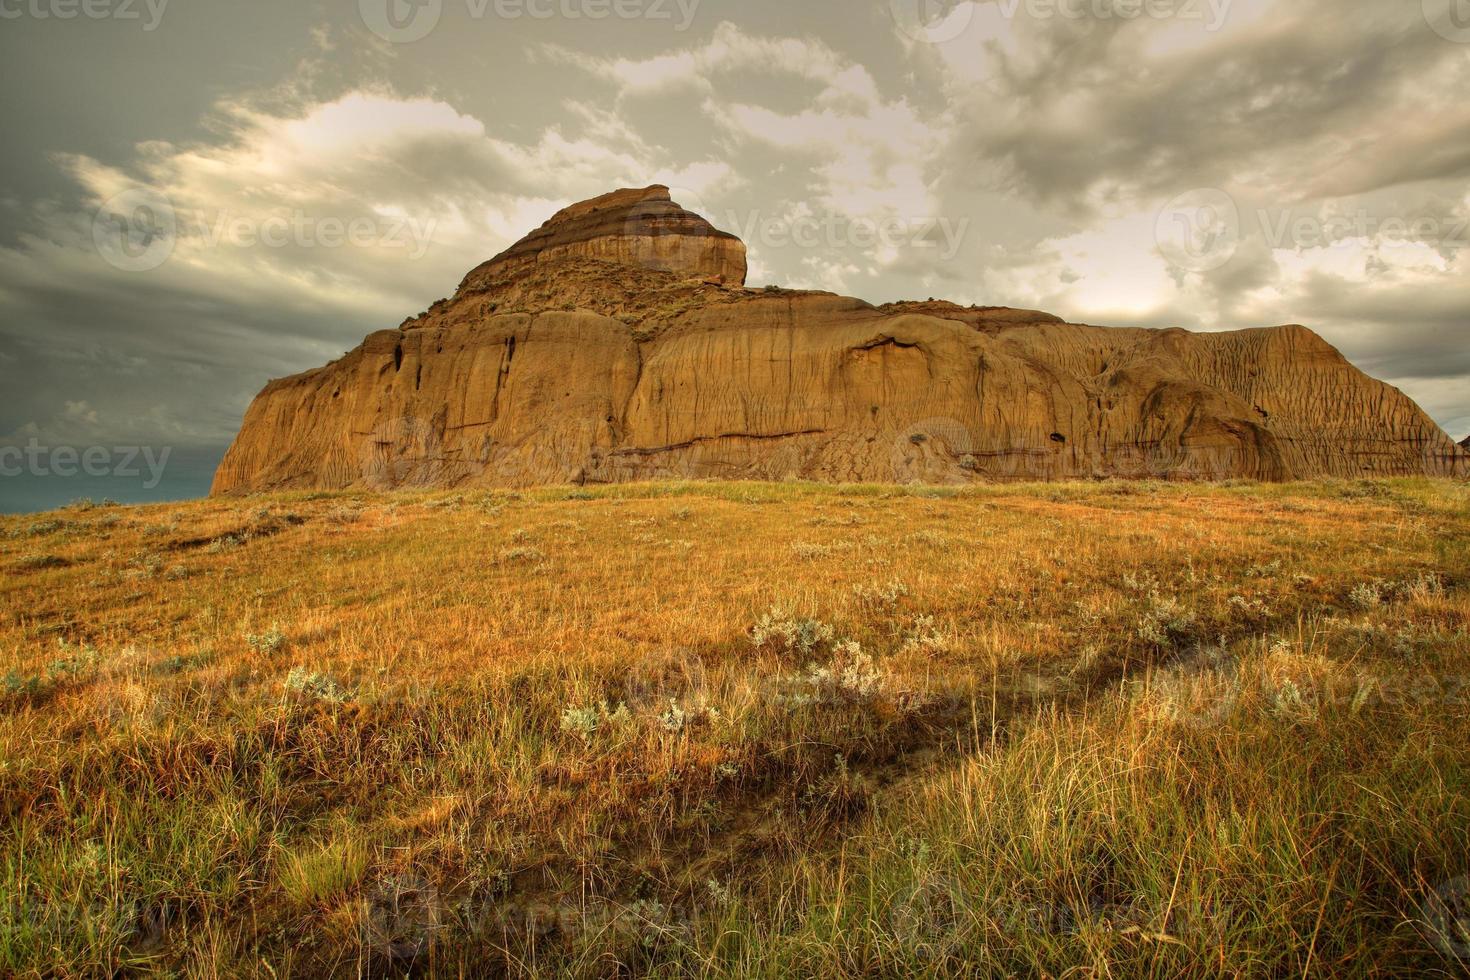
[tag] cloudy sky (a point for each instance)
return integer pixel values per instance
(197, 197)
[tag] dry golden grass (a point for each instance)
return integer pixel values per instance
(741, 729)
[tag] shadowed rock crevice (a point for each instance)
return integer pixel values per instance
(618, 342)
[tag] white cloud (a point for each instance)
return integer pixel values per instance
(865, 153)
(352, 213)
(80, 411)
(1055, 143)
(729, 50)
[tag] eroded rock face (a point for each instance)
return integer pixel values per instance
(571, 358)
(640, 228)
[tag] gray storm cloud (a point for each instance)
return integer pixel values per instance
(1045, 145)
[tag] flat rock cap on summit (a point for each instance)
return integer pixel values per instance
(633, 226)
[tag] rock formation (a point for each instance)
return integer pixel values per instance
(618, 342)
(641, 228)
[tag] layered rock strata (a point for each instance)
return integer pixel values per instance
(618, 343)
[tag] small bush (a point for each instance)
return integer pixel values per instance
(852, 676)
(887, 595)
(319, 687)
(1366, 595)
(588, 721)
(923, 636)
(224, 543)
(673, 719)
(795, 635)
(36, 563)
(22, 686)
(178, 663)
(267, 643)
(147, 564)
(1166, 622)
(75, 661)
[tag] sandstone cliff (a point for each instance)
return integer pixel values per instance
(617, 342)
(641, 228)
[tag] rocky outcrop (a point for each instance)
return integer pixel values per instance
(574, 357)
(641, 228)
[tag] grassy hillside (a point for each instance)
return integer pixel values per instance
(741, 730)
